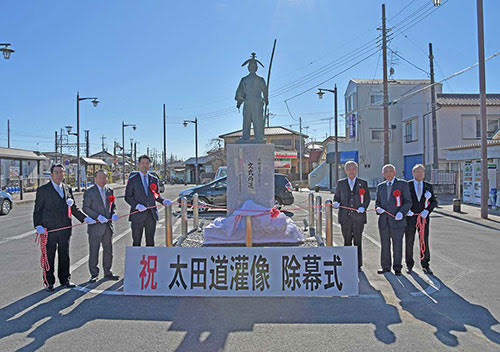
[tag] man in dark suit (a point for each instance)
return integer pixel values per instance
(352, 192)
(392, 204)
(424, 202)
(97, 204)
(51, 212)
(141, 198)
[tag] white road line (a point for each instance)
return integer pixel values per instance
(18, 237)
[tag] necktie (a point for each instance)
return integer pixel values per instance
(145, 183)
(389, 188)
(103, 196)
(60, 191)
(419, 194)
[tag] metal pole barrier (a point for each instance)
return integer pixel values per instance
(311, 214)
(196, 218)
(184, 217)
(168, 225)
(329, 223)
(319, 224)
(248, 223)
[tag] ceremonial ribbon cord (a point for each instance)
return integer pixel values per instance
(44, 261)
(421, 222)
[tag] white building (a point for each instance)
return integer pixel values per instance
(365, 127)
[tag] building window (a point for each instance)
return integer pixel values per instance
(411, 130)
(350, 103)
(376, 99)
(378, 135)
(287, 142)
(492, 125)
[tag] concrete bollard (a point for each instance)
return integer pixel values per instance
(319, 218)
(196, 212)
(184, 217)
(168, 225)
(248, 228)
(329, 223)
(311, 214)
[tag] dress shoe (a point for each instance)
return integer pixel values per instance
(409, 270)
(110, 276)
(428, 271)
(397, 272)
(50, 288)
(360, 269)
(68, 284)
(383, 271)
(93, 279)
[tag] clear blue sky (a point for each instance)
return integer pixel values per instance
(137, 55)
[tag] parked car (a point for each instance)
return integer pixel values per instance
(215, 192)
(5, 203)
(161, 183)
(221, 172)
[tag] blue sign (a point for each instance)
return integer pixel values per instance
(352, 125)
(66, 162)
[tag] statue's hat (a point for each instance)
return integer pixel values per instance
(252, 59)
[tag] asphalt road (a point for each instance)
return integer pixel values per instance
(456, 309)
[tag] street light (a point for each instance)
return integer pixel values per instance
(78, 99)
(6, 50)
(195, 122)
(134, 127)
(321, 92)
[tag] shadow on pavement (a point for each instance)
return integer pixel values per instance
(446, 311)
(194, 315)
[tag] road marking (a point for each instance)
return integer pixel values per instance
(18, 237)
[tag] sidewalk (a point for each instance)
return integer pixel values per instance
(30, 196)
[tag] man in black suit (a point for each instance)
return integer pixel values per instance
(424, 202)
(51, 212)
(140, 197)
(393, 202)
(352, 192)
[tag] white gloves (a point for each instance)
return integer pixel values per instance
(398, 216)
(69, 202)
(166, 202)
(336, 205)
(102, 219)
(427, 195)
(89, 221)
(410, 213)
(114, 217)
(361, 210)
(40, 229)
(380, 210)
(424, 213)
(141, 207)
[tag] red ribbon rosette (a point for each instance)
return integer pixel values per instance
(362, 194)
(111, 200)
(153, 188)
(397, 195)
(274, 212)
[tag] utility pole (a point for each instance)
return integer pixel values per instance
(102, 142)
(435, 160)
(482, 95)
(300, 150)
(135, 155)
(386, 89)
(164, 143)
(335, 108)
(8, 133)
(87, 150)
(56, 145)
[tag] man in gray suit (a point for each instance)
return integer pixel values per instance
(99, 206)
(392, 204)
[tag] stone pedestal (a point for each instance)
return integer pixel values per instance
(250, 175)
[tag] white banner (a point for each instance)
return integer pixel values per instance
(241, 271)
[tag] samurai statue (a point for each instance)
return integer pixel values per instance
(252, 93)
